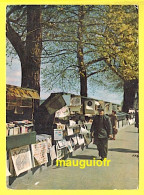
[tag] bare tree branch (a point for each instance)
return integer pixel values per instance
(16, 41)
(95, 61)
(96, 72)
(13, 9)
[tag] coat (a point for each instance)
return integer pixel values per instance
(106, 131)
(114, 123)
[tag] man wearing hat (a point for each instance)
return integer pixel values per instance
(102, 130)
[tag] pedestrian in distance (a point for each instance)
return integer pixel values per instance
(137, 119)
(101, 130)
(113, 118)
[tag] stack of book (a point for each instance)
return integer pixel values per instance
(19, 127)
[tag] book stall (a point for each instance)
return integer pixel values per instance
(60, 126)
(20, 132)
(27, 148)
(67, 118)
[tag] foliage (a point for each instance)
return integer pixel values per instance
(122, 41)
(108, 38)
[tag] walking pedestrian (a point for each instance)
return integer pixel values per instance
(102, 130)
(137, 119)
(113, 118)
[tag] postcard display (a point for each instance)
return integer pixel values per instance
(68, 137)
(70, 132)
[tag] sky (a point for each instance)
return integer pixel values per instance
(13, 77)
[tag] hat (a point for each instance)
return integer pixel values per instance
(100, 108)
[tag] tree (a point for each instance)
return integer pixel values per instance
(29, 48)
(103, 37)
(71, 46)
(122, 57)
(81, 42)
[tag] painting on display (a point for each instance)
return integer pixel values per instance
(69, 146)
(60, 152)
(63, 112)
(39, 152)
(70, 131)
(53, 153)
(49, 144)
(21, 158)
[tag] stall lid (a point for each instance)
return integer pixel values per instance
(21, 92)
(54, 102)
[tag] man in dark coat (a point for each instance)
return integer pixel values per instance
(102, 130)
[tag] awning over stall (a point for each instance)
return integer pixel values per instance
(20, 92)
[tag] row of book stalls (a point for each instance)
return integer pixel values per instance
(60, 126)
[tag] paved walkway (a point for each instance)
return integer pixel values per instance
(122, 172)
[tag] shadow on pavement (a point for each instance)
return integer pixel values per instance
(123, 150)
(84, 157)
(91, 148)
(131, 131)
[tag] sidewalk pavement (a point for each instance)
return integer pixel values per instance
(122, 172)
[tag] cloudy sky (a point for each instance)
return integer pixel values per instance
(13, 77)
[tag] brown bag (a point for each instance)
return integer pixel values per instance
(115, 131)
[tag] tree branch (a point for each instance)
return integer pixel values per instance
(18, 19)
(13, 9)
(16, 41)
(112, 67)
(101, 70)
(94, 61)
(59, 40)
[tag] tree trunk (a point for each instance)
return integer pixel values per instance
(31, 70)
(29, 53)
(130, 90)
(80, 55)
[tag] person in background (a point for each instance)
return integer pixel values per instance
(113, 118)
(137, 119)
(101, 130)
